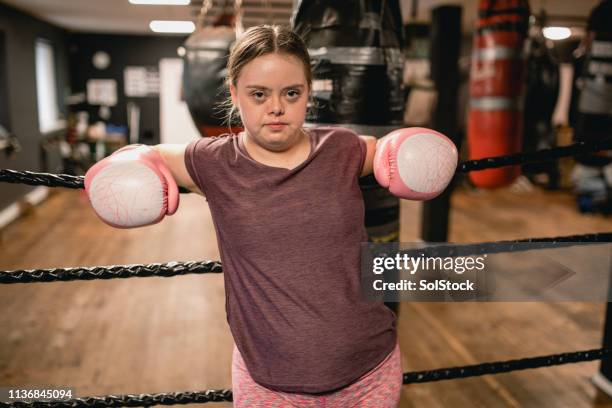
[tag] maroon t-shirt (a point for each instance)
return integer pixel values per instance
(290, 246)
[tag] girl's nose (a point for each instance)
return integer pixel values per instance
(276, 107)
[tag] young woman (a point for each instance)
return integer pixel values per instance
(289, 218)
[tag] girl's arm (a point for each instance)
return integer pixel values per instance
(369, 160)
(174, 156)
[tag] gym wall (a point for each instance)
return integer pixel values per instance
(19, 104)
(124, 50)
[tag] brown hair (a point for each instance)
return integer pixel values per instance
(257, 41)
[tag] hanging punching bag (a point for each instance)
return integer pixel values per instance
(356, 50)
(204, 69)
(496, 85)
(541, 92)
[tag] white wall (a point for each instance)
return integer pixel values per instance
(176, 125)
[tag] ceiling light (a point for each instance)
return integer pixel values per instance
(170, 26)
(162, 2)
(557, 33)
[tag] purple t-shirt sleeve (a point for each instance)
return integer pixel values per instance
(363, 147)
(196, 160)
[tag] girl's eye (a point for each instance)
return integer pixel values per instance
(292, 93)
(258, 95)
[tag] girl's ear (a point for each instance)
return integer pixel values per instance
(232, 89)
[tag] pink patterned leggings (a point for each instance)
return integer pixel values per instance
(378, 388)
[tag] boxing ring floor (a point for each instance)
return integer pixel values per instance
(158, 335)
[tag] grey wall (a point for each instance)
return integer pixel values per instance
(124, 50)
(20, 32)
(73, 51)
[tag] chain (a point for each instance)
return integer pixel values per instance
(206, 6)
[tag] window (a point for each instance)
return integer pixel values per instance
(4, 105)
(49, 118)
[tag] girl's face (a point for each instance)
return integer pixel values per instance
(271, 94)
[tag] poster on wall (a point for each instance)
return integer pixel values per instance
(141, 81)
(102, 92)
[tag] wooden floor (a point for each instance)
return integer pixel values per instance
(150, 335)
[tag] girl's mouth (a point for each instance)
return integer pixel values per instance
(276, 126)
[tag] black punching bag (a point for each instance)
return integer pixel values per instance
(355, 49)
(541, 92)
(204, 69)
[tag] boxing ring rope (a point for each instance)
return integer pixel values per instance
(143, 400)
(130, 400)
(200, 267)
(67, 181)
(109, 272)
(181, 268)
(542, 155)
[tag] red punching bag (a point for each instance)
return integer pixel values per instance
(496, 86)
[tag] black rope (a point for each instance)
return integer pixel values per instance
(450, 373)
(537, 156)
(505, 366)
(450, 249)
(109, 272)
(141, 400)
(68, 181)
(41, 179)
(182, 268)
(48, 179)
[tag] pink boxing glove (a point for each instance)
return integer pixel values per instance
(415, 163)
(133, 187)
